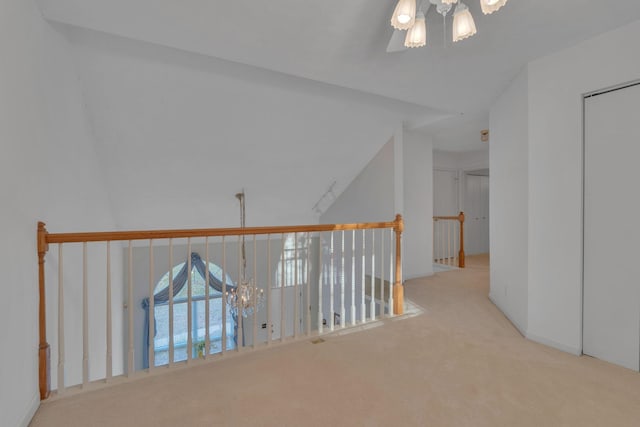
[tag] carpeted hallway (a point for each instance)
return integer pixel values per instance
(460, 363)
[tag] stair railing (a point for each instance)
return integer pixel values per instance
(448, 240)
(315, 278)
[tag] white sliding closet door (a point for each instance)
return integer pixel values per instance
(611, 329)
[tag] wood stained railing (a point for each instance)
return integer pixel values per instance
(448, 240)
(334, 283)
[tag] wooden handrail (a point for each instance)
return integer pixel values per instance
(208, 232)
(460, 218)
(45, 238)
(447, 218)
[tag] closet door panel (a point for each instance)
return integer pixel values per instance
(611, 329)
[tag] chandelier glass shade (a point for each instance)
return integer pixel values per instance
(404, 15)
(410, 15)
(246, 299)
(417, 35)
(463, 23)
(490, 6)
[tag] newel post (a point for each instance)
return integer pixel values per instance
(398, 289)
(461, 253)
(44, 357)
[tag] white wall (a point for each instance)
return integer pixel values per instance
(182, 133)
(41, 123)
(509, 201)
(418, 206)
(463, 160)
(459, 163)
(370, 196)
(556, 85)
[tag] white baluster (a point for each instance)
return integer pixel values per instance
(241, 277)
(151, 310)
(455, 243)
(308, 271)
(342, 280)
(171, 341)
(353, 277)
(189, 303)
(283, 267)
(296, 292)
(331, 285)
(109, 314)
(131, 358)
(321, 279)
(372, 303)
(255, 292)
(434, 245)
(223, 348)
(391, 278)
(269, 285)
(382, 262)
(207, 291)
(61, 355)
(85, 318)
(363, 308)
(449, 242)
(439, 242)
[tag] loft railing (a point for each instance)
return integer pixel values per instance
(315, 278)
(448, 240)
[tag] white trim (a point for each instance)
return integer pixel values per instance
(30, 410)
(517, 325)
(549, 343)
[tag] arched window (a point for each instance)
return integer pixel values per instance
(198, 314)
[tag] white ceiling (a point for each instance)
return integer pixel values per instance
(343, 42)
(300, 93)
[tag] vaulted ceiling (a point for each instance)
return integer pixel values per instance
(319, 66)
(343, 42)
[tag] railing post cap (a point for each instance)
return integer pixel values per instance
(43, 245)
(399, 223)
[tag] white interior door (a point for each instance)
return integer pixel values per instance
(476, 209)
(445, 193)
(611, 329)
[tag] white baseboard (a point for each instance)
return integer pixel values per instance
(30, 410)
(520, 329)
(536, 338)
(550, 343)
(417, 276)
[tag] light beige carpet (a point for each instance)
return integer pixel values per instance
(461, 363)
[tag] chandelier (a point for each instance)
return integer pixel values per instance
(246, 298)
(411, 17)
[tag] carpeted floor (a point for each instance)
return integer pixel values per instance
(460, 363)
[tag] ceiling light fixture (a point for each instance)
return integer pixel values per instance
(246, 299)
(404, 16)
(463, 24)
(408, 16)
(417, 35)
(490, 6)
